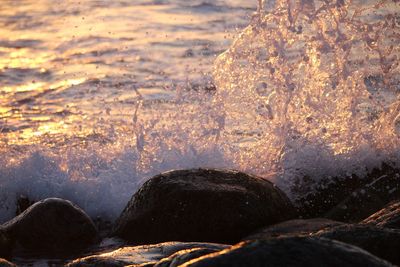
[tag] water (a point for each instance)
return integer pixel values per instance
(85, 87)
(96, 97)
(318, 82)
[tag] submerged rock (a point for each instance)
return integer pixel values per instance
(5, 263)
(283, 252)
(50, 227)
(382, 242)
(140, 255)
(201, 205)
(294, 228)
(388, 217)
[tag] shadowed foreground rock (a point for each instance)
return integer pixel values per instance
(141, 255)
(283, 252)
(382, 242)
(201, 205)
(4, 263)
(5, 244)
(293, 228)
(388, 217)
(183, 256)
(52, 226)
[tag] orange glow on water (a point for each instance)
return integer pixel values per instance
(55, 54)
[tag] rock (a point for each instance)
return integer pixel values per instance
(350, 198)
(388, 217)
(6, 244)
(23, 202)
(4, 263)
(325, 195)
(381, 242)
(140, 255)
(293, 251)
(201, 205)
(52, 226)
(368, 199)
(183, 256)
(293, 228)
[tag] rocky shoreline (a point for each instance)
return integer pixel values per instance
(207, 217)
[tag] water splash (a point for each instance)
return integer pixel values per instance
(318, 81)
(310, 88)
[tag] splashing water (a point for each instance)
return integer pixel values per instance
(309, 88)
(317, 83)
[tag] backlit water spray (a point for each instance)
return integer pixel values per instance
(309, 88)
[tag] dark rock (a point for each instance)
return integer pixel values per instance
(4, 263)
(381, 242)
(23, 202)
(317, 199)
(201, 205)
(349, 198)
(368, 199)
(294, 251)
(388, 217)
(140, 255)
(183, 256)
(98, 261)
(6, 244)
(293, 228)
(103, 226)
(52, 226)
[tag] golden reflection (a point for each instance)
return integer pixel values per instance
(24, 58)
(31, 86)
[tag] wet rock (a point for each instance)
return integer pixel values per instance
(293, 228)
(5, 244)
(294, 251)
(388, 217)
(103, 226)
(368, 199)
(381, 242)
(140, 255)
(183, 256)
(5, 263)
(52, 226)
(201, 205)
(23, 202)
(326, 195)
(350, 198)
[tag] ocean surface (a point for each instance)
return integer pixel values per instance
(97, 96)
(72, 77)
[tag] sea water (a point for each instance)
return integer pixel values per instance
(96, 97)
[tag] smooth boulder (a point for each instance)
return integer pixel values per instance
(293, 228)
(50, 227)
(140, 255)
(294, 251)
(388, 217)
(203, 205)
(381, 242)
